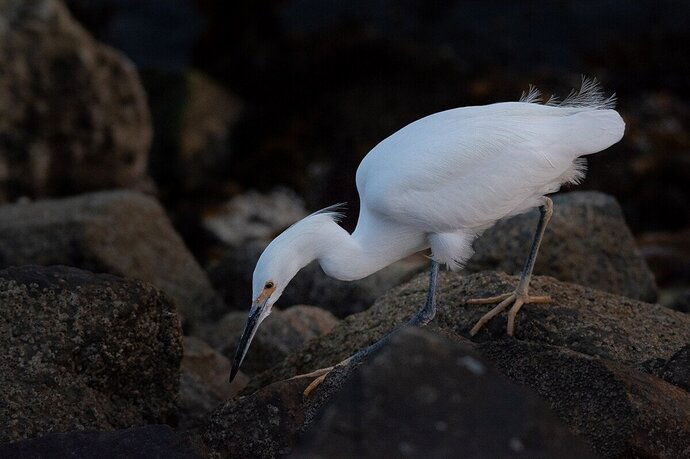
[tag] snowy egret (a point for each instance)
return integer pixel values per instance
(438, 183)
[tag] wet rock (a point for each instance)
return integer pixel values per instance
(232, 278)
(204, 382)
(421, 396)
(280, 334)
(153, 441)
(624, 413)
(120, 232)
(255, 216)
(74, 113)
(84, 351)
(587, 242)
(585, 320)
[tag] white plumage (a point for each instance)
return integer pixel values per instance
(439, 182)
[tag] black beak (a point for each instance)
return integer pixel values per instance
(246, 339)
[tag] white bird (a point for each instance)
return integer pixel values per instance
(438, 183)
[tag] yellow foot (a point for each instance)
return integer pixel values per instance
(319, 376)
(516, 299)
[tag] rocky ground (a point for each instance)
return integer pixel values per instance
(123, 292)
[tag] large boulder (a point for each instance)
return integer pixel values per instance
(420, 396)
(73, 113)
(84, 351)
(154, 441)
(580, 353)
(587, 242)
(119, 232)
(282, 333)
(589, 321)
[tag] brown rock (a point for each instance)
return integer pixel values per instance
(282, 333)
(204, 382)
(120, 232)
(84, 351)
(74, 115)
(587, 242)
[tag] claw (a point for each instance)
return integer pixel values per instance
(517, 299)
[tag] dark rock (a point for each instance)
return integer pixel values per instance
(589, 321)
(84, 351)
(281, 333)
(624, 413)
(668, 256)
(232, 277)
(677, 369)
(204, 382)
(119, 232)
(153, 441)
(424, 396)
(587, 242)
(421, 396)
(74, 113)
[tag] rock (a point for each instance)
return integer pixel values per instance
(232, 278)
(419, 396)
(74, 113)
(675, 370)
(587, 242)
(153, 441)
(624, 413)
(668, 256)
(119, 232)
(280, 334)
(84, 351)
(204, 382)
(585, 320)
(207, 124)
(424, 396)
(255, 216)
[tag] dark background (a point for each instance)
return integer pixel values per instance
(316, 84)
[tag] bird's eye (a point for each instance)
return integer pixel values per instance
(269, 284)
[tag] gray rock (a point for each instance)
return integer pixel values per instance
(254, 216)
(587, 242)
(425, 396)
(282, 333)
(585, 320)
(84, 351)
(73, 112)
(420, 396)
(153, 441)
(204, 382)
(120, 232)
(624, 413)
(232, 278)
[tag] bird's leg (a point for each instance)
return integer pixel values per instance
(520, 296)
(420, 319)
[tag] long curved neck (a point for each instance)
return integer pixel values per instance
(373, 245)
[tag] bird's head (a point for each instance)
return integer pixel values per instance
(293, 249)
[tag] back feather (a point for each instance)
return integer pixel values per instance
(590, 95)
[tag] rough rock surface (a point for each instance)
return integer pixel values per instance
(232, 278)
(581, 350)
(280, 334)
(153, 441)
(255, 216)
(623, 412)
(120, 232)
(84, 351)
(587, 242)
(398, 403)
(74, 115)
(589, 321)
(204, 382)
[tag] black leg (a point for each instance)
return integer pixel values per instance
(546, 211)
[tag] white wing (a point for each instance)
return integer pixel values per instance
(468, 167)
